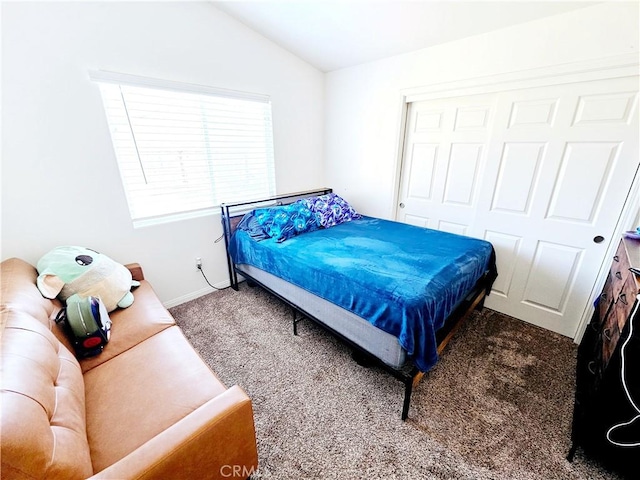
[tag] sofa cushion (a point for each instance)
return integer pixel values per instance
(43, 403)
(143, 391)
(20, 292)
(130, 326)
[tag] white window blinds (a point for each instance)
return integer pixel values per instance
(181, 151)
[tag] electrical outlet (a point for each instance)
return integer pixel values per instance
(198, 263)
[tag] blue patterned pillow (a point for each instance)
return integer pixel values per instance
(330, 209)
(287, 221)
(250, 224)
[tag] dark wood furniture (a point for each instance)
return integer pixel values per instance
(606, 419)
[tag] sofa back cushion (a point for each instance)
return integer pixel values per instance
(42, 397)
(19, 290)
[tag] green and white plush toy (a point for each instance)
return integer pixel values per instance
(69, 270)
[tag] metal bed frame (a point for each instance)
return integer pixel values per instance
(408, 374)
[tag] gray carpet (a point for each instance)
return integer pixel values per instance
(497, 406)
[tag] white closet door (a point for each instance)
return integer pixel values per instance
(539, 173)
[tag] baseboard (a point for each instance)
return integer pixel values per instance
(193, 295)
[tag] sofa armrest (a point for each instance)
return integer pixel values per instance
(215, 441)
(136, 271)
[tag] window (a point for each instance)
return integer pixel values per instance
(184, 149)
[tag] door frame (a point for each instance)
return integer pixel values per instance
(626, 65)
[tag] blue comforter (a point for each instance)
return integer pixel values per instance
(403, 279)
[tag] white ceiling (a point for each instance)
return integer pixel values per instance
(334, 34)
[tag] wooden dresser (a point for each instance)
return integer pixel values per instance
(608, 395)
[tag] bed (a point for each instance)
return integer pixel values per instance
(394, 292)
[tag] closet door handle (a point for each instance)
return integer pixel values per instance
(606, 333)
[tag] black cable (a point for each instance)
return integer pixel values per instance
(202, 271)
(207, 280)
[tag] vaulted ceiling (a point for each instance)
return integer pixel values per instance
(336, 34)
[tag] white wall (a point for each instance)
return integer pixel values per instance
(363, 103)
(60, 181)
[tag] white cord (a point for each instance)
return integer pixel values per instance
(624, 384)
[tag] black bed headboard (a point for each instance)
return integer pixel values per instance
(232, 213)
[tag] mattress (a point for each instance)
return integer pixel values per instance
(357, 330)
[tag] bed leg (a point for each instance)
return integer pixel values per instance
(408, 387)
(572, 452)
(296, 320)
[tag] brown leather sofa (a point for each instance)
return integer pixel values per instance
(146, 407)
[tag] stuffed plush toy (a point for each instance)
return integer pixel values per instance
(65, 271)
